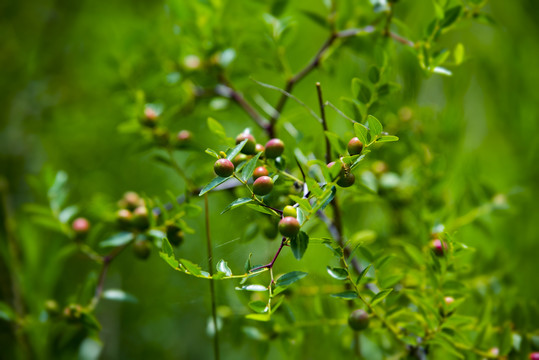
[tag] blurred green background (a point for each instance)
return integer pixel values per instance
(74, 74)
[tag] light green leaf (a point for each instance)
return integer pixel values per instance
(167, 248)
(258, 306)
(213, 184)
(222, 267)
(193, 268)
(387, 138)
(337, 273)
(118, 295)
(374, 126)
(361, 132)
(118, 239)
(380, 296)
(253, 287)
(363, 273)
(231, 154)
(250, 167)
(216, 128)
(212, 153)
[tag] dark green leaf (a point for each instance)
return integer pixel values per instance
(290, 278)
(364, 94)
(213, 184)
(319, 19)
(231, 154)
(374, 74)
(450, 16)
(363, 273)
(299, 244)
(347, 295)
(337, 273)
(167, 248)
(249, 168)
(236, 203)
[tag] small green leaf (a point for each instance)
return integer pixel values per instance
(364, 94)
(347, 295)
(118, 295)
(318, 19)
(387, 138)
(249, 168)
(458, 54)
(216, 128)
(236, 203)
(363, 273)
(231, 154)
(212, 153)
(222, 267)
(258, 306)
(450, 16)
(193, 268)
(169, 260)
(380, 296)
(118, 239)
(248, 264)
(213, 184)
(374, 74)
(337, 273)
(299, 244)
(374, 126)
(258, 317)
(253, 287)
(361, 132)
(290, 278)
(167, 248)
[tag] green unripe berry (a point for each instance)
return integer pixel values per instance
(358, 320)
(259, 172)
(347, 179)
(263, 185)
(239, 159)
(289, 211)
(142, 248)
(223, 168)
(289, 226)
(250, 146)
(355, 146)
(140, 218)
(174, 234)
(274, 148)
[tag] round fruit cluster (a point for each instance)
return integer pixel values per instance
(161, 135)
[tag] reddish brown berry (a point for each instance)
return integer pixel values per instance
(274, 148)
(81, 226)
(448, 300)
(130, 200)
(263, 185)
(223, 168)
(355, 146)
(150, 117)
(250, 146)
(260, 171)
(259, 148)
(358, 320)
(289, 226)
(438, 247)
(534, 356)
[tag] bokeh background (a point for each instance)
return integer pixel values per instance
(74, 76)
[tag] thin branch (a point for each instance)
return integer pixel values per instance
(400, 39)
(340, 112)
(229, 92)
(212, 285)
(324, 122)
(272, 262)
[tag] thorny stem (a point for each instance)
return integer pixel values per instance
(212, 285)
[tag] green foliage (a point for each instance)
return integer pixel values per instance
(438, 162)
